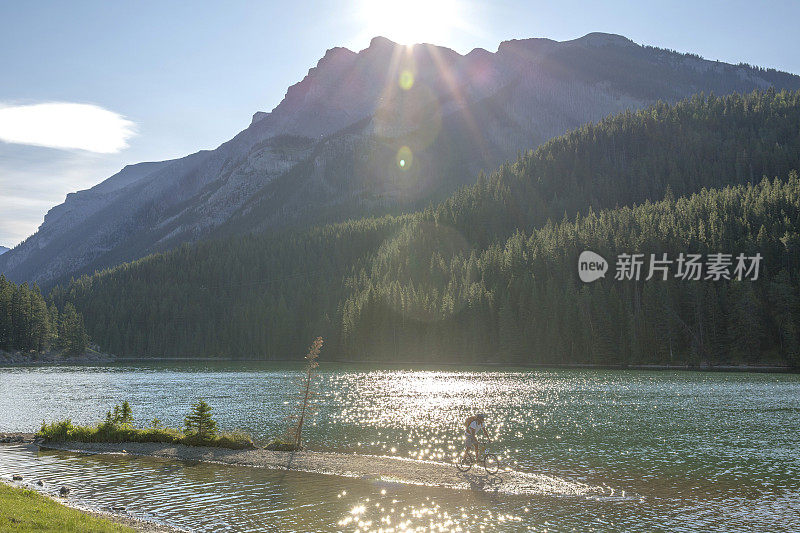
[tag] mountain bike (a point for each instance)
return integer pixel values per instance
(489, 461)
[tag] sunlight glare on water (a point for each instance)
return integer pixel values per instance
(623, 450)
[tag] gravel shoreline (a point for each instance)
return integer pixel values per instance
(367, 467)
(17, 438)
(393, 469)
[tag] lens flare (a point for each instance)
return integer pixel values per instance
(405, 158)
(406, 79)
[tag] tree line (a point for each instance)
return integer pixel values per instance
(28, 323)
(491, 273)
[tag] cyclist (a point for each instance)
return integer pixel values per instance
(474, 425)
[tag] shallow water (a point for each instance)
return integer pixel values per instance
(666, 450)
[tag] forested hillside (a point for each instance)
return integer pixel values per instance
(633, 157)
(491, 274)
(521, 300)
(252, 297)
(27, 323)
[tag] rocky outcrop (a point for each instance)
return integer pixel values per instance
(16, 438)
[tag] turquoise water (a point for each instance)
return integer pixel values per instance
(670, 450)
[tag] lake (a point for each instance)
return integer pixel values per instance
(666, 450)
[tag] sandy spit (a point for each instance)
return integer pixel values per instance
(389, 469)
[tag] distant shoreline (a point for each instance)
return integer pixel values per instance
(54, 358)
(776, 369)
(97, 358)
(589, 366)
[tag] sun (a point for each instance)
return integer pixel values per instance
(411, 21)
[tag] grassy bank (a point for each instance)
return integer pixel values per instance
(65, 430)
(118, 427)
(27, 510)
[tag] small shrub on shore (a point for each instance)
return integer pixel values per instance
(65, 431)
(114, 429)
(235, 441)
(57, 431)
(278, 445)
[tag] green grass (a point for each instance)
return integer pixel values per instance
(109, 432)
(27, 510)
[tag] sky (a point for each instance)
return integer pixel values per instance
(87, 87)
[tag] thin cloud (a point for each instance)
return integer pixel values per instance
(66, 126)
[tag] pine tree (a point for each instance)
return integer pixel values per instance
(72, 333)
(121, 415)
(199, 423)
(125, 414)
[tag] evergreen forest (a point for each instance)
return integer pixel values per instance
(490, 274)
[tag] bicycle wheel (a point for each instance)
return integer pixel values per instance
(491, 463)
(465, 462)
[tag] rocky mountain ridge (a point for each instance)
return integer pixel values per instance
(380, 130)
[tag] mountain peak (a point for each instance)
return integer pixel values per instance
(525, 49)
(529, 42)
(380, 41)
(336, 53)
(259, 115)
(540, 44)
(598, 38)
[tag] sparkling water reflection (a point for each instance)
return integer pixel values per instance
(672, 450)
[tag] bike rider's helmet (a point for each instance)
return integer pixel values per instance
(481, 416)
